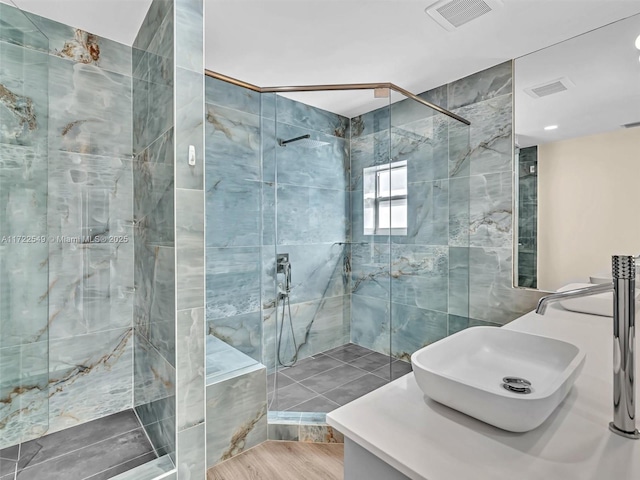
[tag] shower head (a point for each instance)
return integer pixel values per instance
(304, 141)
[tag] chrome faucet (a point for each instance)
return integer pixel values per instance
(624, 313)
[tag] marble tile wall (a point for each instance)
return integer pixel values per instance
(317, 325)
(90, 195)
(154, 138)
(16, 28)
(189, 112)
(109, 102)
(370, 278)
(310, 222)
(233, 267)
(233, 216)
(453, 268)
(486, 100)
(79, 280)
(242, 243)
(312, 202)
(236, 415)
(24, 268)
(23, 211)
(399, 283)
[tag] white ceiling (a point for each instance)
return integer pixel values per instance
(604, 68)
(298, 42)
(271, 42)
(118, 20)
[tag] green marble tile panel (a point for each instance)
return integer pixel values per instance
(190, 368)
(90, 109)
(90, 376)
(236, 416)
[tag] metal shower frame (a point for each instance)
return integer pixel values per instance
(339, 86)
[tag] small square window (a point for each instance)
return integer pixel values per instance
(385, 199)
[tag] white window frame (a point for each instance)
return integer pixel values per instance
(377, 198)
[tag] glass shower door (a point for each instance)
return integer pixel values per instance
(429, 257)
(24, 346)
(372, 223)
(316, 256)
(366, 242)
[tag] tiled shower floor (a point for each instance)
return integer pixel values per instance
(331, 379)
(96, 450)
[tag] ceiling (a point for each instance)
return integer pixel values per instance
(271, 42)
(298, 42)
(118, 20)
(604, 93)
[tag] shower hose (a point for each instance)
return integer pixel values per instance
(286, 304)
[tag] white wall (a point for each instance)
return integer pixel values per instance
(589, 205)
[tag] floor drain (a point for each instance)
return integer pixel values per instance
(516, 385)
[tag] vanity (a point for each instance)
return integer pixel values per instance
(397, 433)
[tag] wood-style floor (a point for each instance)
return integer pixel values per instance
(284, 461)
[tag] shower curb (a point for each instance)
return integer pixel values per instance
(301, 427)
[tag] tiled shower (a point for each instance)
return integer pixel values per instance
(111, 336)
(372, 298)
(360, 303)
(101, 286)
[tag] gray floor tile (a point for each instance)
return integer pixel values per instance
(280, 381)
(323, 382)
(311, 366)
(292, 395)
(316, 404)
(10, 453)
(92, 459)
(398, 369)
(74, 438)
(124, 467)
(349, 352)
(7, 466)
(349, 366)
(372, 361)
(356, 389)
(8, 460)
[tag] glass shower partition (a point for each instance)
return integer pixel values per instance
(24, 316)
(430, 257)
(365, 242)
(372, 202)
(320, 264)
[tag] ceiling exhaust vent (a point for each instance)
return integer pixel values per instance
(549, 88)
(451, 14)
(631, 125)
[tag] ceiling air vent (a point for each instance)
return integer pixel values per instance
(549, 88)
(451, 14)
(631, 125)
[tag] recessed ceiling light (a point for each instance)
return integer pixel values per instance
(551, 127)
(638, 42)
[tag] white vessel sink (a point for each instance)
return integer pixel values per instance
(466, 372)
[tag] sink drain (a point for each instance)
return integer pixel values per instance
(517, 385)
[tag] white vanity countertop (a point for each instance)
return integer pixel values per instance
(426, 440)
